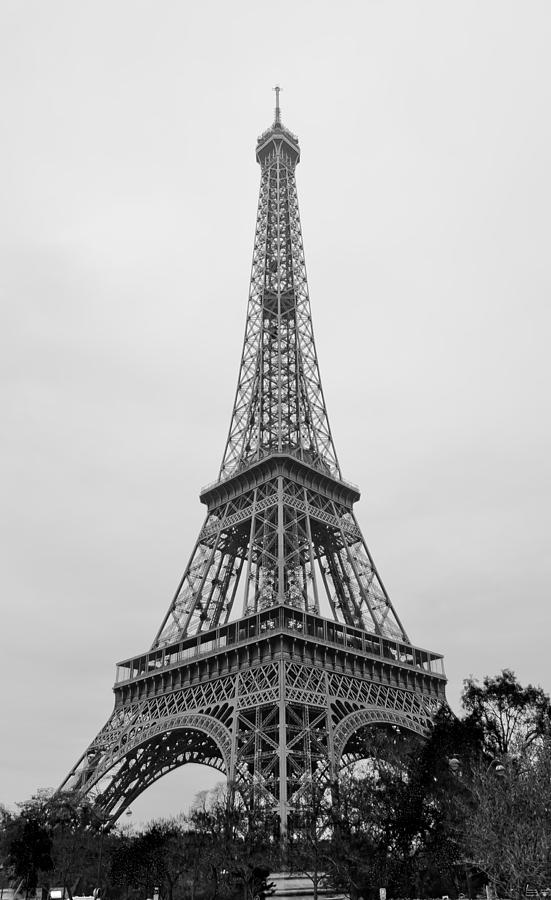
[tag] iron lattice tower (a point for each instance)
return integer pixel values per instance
(281, 643)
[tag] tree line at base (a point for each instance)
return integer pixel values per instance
(466, 807)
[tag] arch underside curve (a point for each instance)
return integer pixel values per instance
(141, 758)
(418, 723)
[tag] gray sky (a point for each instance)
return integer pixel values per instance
(128, 192)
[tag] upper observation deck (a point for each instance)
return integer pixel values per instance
(277, 141)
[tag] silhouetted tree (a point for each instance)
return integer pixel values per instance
(510, 716)
(239, 841)
(506, 829)
(154, 858)
(309, 832)
(29, 851)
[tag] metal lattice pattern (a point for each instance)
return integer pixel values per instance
(279, 403)
(259, 686)
(236, 723)
(134, 741)
(134, 771)
(280, 543)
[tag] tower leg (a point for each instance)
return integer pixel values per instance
(282, 753)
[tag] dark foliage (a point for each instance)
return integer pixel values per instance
(468, 805)
(510, 717)
(29, 848)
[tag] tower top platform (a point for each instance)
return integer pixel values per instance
(277, 141)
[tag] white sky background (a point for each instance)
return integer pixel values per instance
(128, 191)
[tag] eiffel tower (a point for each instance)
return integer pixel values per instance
(281, 643)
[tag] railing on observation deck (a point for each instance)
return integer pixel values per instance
(281, 128)
(280, 619)
(300, 455)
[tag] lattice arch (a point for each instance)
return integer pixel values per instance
(190, 721)
(136, 761)
(375, 716)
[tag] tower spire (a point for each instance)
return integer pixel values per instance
(277, 119)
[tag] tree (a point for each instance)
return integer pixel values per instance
(511, 717)
(239, 840)
(438, 860)
(309, 835)
(376, 814)
(29, 851)
(73, 828)
(396, 815)
(155, 858)
(53, 834)
(507, 826)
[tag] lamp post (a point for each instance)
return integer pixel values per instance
(104, 826)
(455, 765)
(500, 772)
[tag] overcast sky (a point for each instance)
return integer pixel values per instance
(128, 191)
